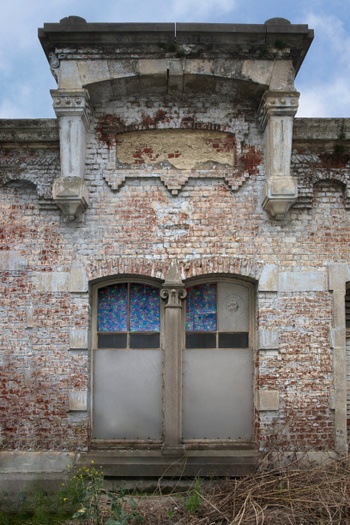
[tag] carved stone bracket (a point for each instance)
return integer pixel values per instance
(73, 110)
(277, 110)
(71, 196)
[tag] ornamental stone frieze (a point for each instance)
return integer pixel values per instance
(29, 154)
(69, 191)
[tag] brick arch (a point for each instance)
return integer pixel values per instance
(157, 269)
(309, 178)
(339, 178)
(330, 176)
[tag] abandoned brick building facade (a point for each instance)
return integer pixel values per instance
(174, 255)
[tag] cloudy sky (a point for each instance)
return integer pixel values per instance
(25, 78)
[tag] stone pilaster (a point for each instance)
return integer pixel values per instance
(73, 111)
(338, 276)
(277, 110)
(173, 292)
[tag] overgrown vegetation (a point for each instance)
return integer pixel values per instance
(299, 494)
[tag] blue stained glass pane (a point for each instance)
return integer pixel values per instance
(112, 308)
(144, 308)
(201, 308)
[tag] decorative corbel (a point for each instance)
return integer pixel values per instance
(73, 111)
(276, 113)
(173, 292)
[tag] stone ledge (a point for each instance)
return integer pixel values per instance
(126, 464)
(24, 462)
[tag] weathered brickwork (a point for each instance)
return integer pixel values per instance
(146, 210)
(208, 229)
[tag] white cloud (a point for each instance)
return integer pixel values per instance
(331, 34)
(323, 80)
(331, 99)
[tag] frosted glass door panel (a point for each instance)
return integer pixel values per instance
(217, 394)
(127, 394)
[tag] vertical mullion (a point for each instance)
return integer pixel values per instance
(128, 318)
(216, 315)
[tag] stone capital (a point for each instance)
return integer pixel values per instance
(173, 296)
(72, 103)
(173, 290)
(277, 104)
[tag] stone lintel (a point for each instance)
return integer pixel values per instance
(302, 281)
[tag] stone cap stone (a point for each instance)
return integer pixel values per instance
(277, 38)
(321, 129)
(20, 131)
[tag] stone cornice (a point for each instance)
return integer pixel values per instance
(27, 132)
(275, 38)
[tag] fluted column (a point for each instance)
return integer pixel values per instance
(173, 292)
(73, 111)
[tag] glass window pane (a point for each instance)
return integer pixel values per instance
(112, 308)
(201, 308)
(197, 340)
(112, 340)
(240, 340)
(144, 308)
(144, 340)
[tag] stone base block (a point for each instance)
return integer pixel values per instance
(71, 196)
(279, 195)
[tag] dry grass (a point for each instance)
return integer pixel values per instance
(302, 494)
